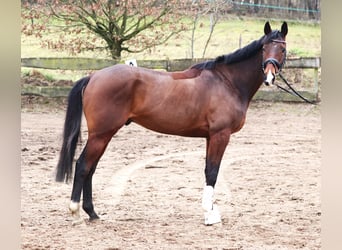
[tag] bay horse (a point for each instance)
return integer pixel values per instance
(208, 100)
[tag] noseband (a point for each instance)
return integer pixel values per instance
(274, 61)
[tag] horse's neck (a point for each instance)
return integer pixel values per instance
(246, 76)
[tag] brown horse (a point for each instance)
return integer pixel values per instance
(207, 100)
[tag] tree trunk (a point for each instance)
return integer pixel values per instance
(116, 54)
(115, 49)
(193, 35)
(256, 7)
(309, 7)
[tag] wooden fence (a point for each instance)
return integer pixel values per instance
(168, 65)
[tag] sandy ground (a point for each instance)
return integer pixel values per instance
(148, 186)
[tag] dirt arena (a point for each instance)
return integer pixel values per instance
(148, 186)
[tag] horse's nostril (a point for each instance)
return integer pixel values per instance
(266, 82)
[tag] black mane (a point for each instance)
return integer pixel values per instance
(240, 54)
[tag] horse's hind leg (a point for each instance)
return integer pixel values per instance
(74, 206)
(87, 205)
(85, 168)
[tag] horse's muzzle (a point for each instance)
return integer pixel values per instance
(269, 75)
(269, 78)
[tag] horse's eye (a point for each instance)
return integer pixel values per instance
(283, 50)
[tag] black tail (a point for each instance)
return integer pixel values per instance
(72, 126)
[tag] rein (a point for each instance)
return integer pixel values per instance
(294, 92)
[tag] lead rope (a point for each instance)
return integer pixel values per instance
(294, 92)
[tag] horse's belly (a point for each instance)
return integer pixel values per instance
(174, 126)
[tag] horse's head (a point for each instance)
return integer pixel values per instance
(273, 52)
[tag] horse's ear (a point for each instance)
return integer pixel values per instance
(267, 28)
(284, 29)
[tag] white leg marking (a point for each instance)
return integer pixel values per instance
(208, 198)
(212, 217)
(74, 208)
(212, 214)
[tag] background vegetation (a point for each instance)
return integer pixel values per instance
(236, 27)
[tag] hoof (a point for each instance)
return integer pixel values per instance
(74, 209)
(77, 221)
(212, 216)
(94, 218)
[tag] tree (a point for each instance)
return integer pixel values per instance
(214, 9)
(118, 25)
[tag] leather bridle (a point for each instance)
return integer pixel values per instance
(274, 61)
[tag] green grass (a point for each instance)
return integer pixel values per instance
(303, 40)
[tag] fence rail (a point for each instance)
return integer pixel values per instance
(169, 65)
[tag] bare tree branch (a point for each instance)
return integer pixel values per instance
(123, 25)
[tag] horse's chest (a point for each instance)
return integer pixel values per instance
(227, 117)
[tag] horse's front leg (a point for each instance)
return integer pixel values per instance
(216, 145)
